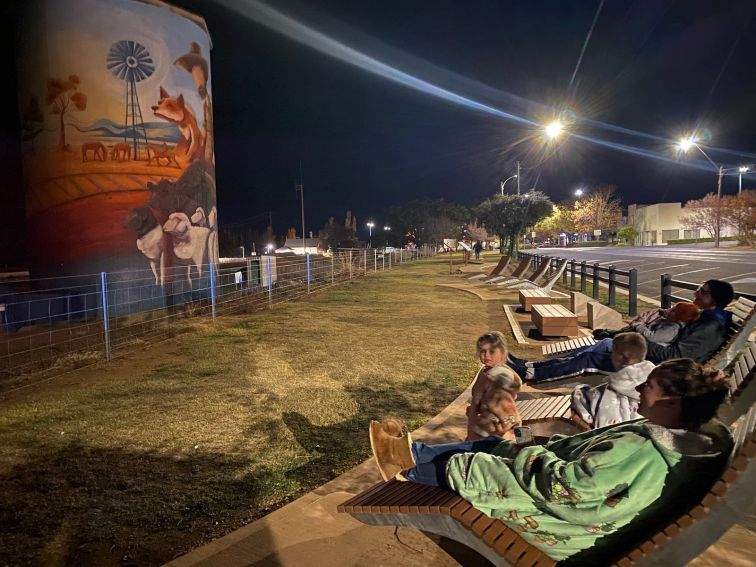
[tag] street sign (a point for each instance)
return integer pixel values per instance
(533, 234)
(597, 232)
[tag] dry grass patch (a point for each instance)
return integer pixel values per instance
(135, 463)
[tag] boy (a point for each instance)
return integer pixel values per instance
(617, 399)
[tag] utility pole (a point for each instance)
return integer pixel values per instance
(300, 188)
(518, 178)
(719, 205)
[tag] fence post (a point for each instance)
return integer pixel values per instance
(596, 281)
(383, 260)
(249, 273)
(391, 254)
(332, 255)
(612, 286)
(350, 264)
(307, 256)
(375, 260)
(572, 274)
(105, 318)
(401, 255)
(270, 283)
(583, 274)
(364, 260)
(666, 291)
(632, 303)
(212, 289)
(564, 276)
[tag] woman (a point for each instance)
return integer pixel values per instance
(601, 489)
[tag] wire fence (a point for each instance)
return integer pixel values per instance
(52, 324)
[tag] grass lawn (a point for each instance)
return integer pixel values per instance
(137, 461)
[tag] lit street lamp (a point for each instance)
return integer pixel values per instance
(579, 192)
(370, 226)
(387, 228)
(554, 130)
(741, 170)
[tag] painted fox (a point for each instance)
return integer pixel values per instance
(175, 110)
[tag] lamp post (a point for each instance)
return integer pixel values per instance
(503, 183)
(579, 193)
(387, 228)
(741, 170)
(370, 225)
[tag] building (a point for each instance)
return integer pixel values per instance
(297, 246)
(659, 223)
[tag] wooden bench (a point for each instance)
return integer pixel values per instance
(497, 270)
(447, 514)
(566, 346)
(555, 321)
(521, 268)
(530, 297)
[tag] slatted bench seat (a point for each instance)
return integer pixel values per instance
(442, 512)
(566, 346)
(530, 297)
(555, 321)
(497, 270)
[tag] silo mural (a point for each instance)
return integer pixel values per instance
(116, 106)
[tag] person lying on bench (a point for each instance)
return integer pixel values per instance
(657, 325)
(698, 340)
(617, 399)
(601, 489)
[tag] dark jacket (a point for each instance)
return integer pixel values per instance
(698, 340)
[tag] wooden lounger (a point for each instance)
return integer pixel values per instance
(521, 268)
(445, 513)
(532, 278)
(567, 346)
(498, 269)
(547, 284)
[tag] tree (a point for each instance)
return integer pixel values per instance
(707, 213)
(740, 212)
(475, 232)
(335, 236)
(428, 220)
(509, 215)
(628, 234)
(60, 95)
(291, 233)
(559, 221)
(600, 210)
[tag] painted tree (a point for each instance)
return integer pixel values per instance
(508, 216)
(63, 96)
(740, 212)
(559, 221)
(600, 210)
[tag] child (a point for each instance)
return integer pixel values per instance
(616, 400)
(495, 386)
(658, 325)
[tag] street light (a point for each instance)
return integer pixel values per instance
(579, 192)
(268, 248)
(515, 176)
(741, 170)
(554, 130)
(370, 225)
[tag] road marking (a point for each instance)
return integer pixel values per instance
(613, 262)
(746, 280)
(740, 276)
(694, 271)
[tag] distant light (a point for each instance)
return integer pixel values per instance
(687, 143)
(371, 224)
(578, 192)
(743, 168)
(554, 129)
(386, 228)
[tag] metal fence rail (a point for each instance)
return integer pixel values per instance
(58, 322)
(610, 275)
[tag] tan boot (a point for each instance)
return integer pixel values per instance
(392, 453)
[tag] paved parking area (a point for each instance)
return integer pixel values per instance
(685, 263)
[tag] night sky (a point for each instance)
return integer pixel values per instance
(660, 67)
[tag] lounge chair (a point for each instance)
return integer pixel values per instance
(498, 269)
(547, 285)
(445, 513)
(533, 277)
(518, 271)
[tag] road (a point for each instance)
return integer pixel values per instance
(684, 263)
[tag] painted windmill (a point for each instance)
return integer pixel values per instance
(131, 62)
